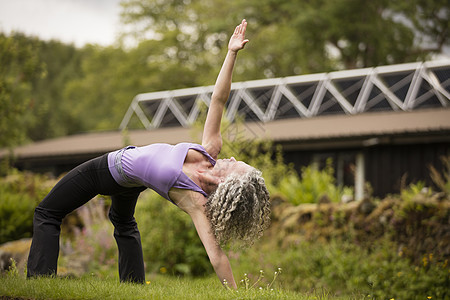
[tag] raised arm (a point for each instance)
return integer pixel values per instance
(212, 140)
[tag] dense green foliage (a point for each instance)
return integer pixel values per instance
(312, 185)
(348, 269)
(20, 193)
(19, 67)
(50, 89)
(294, 37)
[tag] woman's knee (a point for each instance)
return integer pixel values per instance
(44, 216)
(122, 223)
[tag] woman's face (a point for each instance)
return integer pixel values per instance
(225, 167)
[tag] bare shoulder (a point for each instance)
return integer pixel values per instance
(194, 156)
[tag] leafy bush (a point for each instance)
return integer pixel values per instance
(442, 179)
(312, 185)
(16, 216)
(20, 193)
(344, 268)
(414, 190)
(169, 240)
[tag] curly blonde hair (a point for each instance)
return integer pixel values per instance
(239, 209)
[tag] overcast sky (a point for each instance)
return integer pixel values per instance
(70, 21)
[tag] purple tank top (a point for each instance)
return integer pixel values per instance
(156, 166)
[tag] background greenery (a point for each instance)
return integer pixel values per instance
(50, 89)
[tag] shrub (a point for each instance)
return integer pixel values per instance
(344, 268)
(20, 193)
(16, 216)
(442, 179)
(414, 190)
(312, 185)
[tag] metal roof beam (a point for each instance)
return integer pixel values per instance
(312, 89)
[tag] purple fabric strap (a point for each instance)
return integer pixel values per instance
(156, 166)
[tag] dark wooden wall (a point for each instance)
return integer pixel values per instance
(387, 167)
(391, 167)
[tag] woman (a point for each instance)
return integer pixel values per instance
(226, 199)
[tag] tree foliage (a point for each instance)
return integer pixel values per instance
(296, 37)
(19, 66)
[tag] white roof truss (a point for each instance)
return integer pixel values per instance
(402, 87)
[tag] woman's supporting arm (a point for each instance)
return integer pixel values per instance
(217, 257)
(212, 140)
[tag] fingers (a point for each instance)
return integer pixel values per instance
(241, 28)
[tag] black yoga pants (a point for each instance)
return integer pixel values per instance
(72, 191)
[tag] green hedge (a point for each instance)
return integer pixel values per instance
(20, 192)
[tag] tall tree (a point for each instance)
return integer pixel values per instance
(311, 36)
(52, 115)
(430, 21)
(19, 67)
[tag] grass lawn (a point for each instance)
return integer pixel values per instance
(159, 287)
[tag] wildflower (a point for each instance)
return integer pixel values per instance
(425, 261)
(163, 270)
(225, 284)
(147, 282)
(429, 297)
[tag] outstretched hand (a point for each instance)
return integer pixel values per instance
(237, 40)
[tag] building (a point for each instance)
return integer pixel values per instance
(385, 126)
